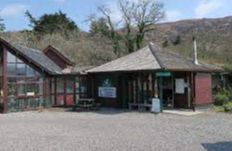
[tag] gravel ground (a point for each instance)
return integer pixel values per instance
(110, 130)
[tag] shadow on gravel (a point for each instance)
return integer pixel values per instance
(219, 146)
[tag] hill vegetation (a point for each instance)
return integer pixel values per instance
(108, 40)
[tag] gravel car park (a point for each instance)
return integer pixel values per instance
(114, 130)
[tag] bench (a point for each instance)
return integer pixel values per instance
(140, 106)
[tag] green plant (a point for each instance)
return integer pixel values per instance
(228, 106)
(221, 98)
(219, 109)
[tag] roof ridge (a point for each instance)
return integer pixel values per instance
(153, 51)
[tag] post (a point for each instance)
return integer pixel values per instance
(5, 80)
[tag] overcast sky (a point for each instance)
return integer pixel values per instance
(12, 11)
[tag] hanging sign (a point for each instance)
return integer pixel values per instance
(163, 74)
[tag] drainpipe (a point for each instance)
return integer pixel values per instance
(195, 59)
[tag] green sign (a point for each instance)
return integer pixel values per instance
(163, 74)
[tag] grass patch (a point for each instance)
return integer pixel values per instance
(219, 109)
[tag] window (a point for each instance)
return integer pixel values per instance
(30, 72)
(60, 85)
(23, 80)
(21, 90)
(11, 69)
(11, 58)
(21, 69)
(69, 86)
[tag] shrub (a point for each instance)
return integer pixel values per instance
(221, 98)
(228, 106)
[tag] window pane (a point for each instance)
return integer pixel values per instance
(11, 69)
(11, 89)
(30, 71)
(60, 85)
(30, 90)
(21, 89)
(18, 60)
(21, 69)
(10, 57)
(69, 87)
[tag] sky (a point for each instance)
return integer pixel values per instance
(13, 11)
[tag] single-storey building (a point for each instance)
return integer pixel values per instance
(131, 81)
(32, 78)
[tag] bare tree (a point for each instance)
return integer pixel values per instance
(141, 15)
(137, 18)
(113, 33)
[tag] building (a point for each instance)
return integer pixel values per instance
(131, 81)
(32, 78)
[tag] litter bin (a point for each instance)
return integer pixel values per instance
(156, 105)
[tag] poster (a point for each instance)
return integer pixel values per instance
(180, 86)
(107, 92)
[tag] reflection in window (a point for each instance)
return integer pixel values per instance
(11, 58)
(11, 69)
(30, 71)
(60, 85)
(21, 89)
(69, 87)
(21, 69)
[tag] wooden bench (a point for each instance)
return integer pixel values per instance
(140, 106)
(86, 104)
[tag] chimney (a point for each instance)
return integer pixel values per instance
(195, 51)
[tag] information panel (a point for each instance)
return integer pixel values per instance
(107, 92)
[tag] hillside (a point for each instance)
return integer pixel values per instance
(214, 37)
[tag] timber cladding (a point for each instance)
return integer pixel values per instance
(203, 85)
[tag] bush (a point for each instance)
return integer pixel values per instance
(228, 106)
(222, 97)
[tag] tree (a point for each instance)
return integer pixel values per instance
(111, 31)
(52, 23)
(141, 15)
(99, 26)
(2, 25)
(137, 18)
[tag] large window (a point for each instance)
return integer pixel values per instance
(22, 79)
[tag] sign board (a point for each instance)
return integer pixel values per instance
(163, 74)
(107, 92)
(180, 86)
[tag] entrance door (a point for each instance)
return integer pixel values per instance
(182, 97)
(166, 92)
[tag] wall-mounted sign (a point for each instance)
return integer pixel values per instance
(163, 74)
(107, 92)
(107, 83)
(180, 86)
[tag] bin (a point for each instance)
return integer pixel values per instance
(156, 105)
